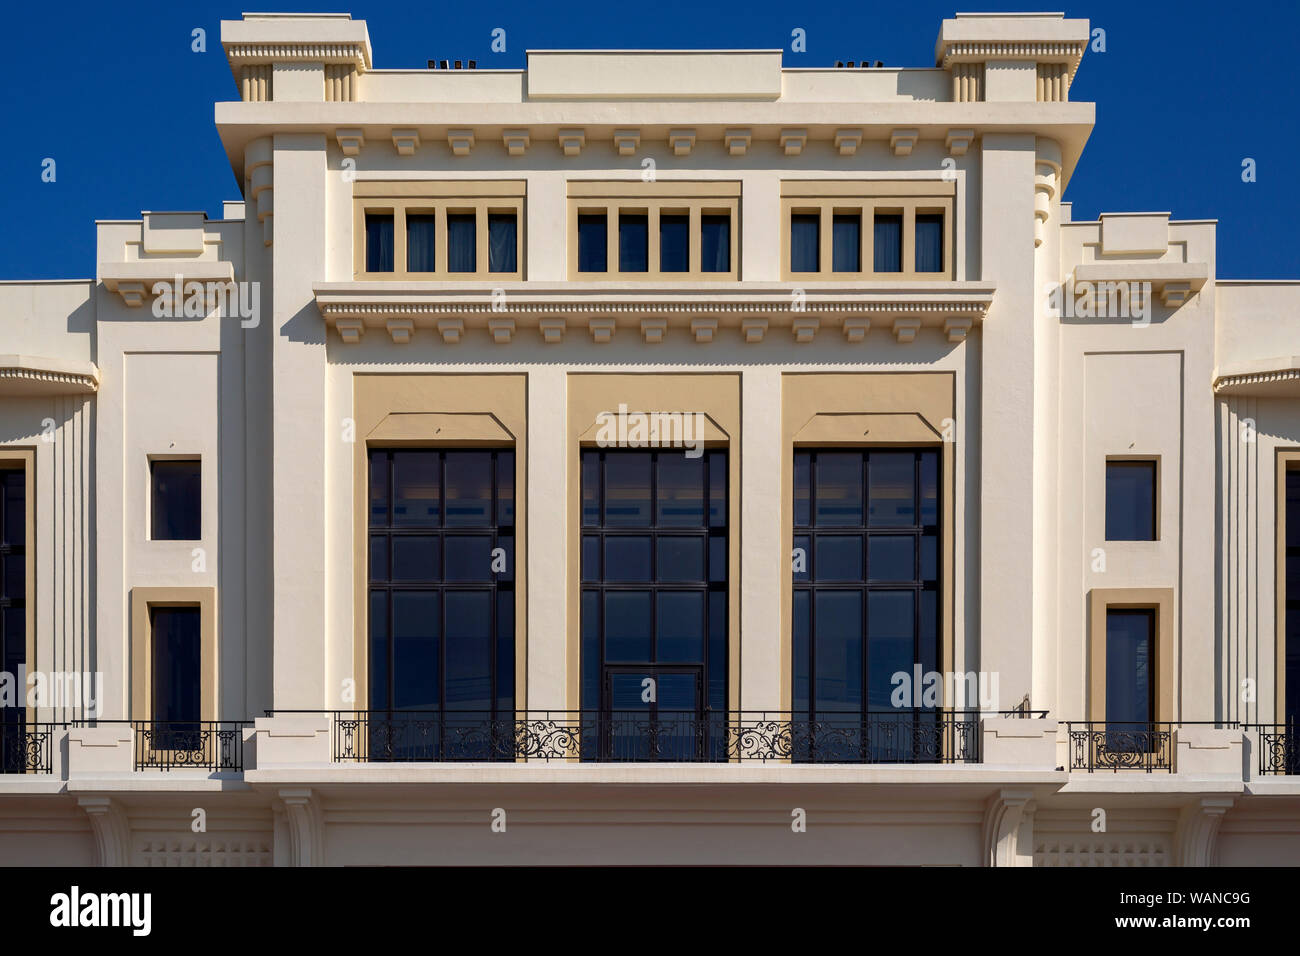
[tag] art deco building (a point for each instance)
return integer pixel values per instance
(651, 456)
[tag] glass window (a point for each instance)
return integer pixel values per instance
(462, 252)
(13, 608)
(715, 243)
(846, 240)
(1130, 501)
(177, 675)
(177, 503)
(805, 242)
(929, 242)
(1130, 634)
(1292, 598)
(674, 242)
(593, 237)
(503, 242)
(888, 243)
(419, 242)
(379, 242)
(633, 242)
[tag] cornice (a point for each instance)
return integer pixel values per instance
(36, 375)
(245, 54)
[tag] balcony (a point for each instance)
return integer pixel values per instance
(1153, 746)
(26, 747)
(908, 737)
(213, 746)
(1278, 750)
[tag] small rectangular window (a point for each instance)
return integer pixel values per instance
(715, 243)
(1130, 634)
(593, 236)
(419, 242)
(462, 252)
(503, 242)
(177, 676)
(177, 502)
(929, 242)
(1130, 501)
(379, 242)
(805, 242)
(674, 242)
(888, 242)
(846, 240)
(633, 242)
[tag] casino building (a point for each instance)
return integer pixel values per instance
(651, 457)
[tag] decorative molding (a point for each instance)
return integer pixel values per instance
(502, 330)
(737, 141)
(967, 82)
(959, 141)
(855, 329)
(704, 329)
(1009, 829)
(793, 141)
(572, 141)
(1198, 830)
(244, 53)
(753, 329)
(406, 141)
(304, 822)
(24, 374)
(400, 330)
(350, 330)
(552, 330)
(902, 141)
(112, 829)
(626, 141)
(981, 51)
(451, 330)
(1174, 294)
(461, 141)
(847, 141)
(955, 328)
(905, 329)
(601, 329)
(350, 141)
(652, 330)
(516, 141)
(805, 329)
(1274, 377)
(681, 141)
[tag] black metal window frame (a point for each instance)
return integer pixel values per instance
(14, 751)
(425, 733)
(865, 531)
(709, 720)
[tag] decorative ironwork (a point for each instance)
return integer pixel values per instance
(929, 736)
(1279, 752)
(26, 747)
(1121, 746)
(190, 745)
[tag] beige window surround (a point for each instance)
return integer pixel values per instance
(654, 200)
(437, 198)
(866, 198)
(143, 600)
(24, 459)
(1160, 600)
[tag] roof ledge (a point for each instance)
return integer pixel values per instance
(39, 375)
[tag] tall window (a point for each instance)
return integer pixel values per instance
(804, 241)
(592, 242)
(379, 242)
(421, 229)
(866, 599)
(13, 610)
(462, 246)
(846, 242)
(177, 505)
(633, 242)
(654, 605)
(674, 241)
(503, 242)
(888, 242)
(1130, 701)
(929, 242)
(1292, 623)
(177, 692)
(715, 242)
(442, 612)
(1130, 500)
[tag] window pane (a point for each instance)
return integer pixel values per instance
(839, 489)
(627, 491)
(847, 243)
(415, 489)
(469, 489)
(929, 242)
(717, 558)
(929, 558)
(801, 560)
(379, 242)
(893, 493)
(415, 557)
(419, 242)
(1130, 501)
(888, 243)
(627, 626)
(469, 557)
(590, 557)
(378, 649)
(13, 525)
(415, 649)
(1128, 659)
(633, 242)
(503, 242)
(680, 491)
(929, 488)
(715, 243)
(674, 242)
(505, 488)
(839, 557)
(177, 664)
(681, 558)
(590, 489)
(379, 557)
(890, 625)
(627, 558)
(680, 623)
(177, 500)
(802, 489)
(717, 489)
(800, 632)
(378, 489)
(469, 641)
(804, 246)
(891, 557)
(592, 243)
(462, 254)
(505, 652)
(838, 621)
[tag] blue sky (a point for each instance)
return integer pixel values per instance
(1184, 92)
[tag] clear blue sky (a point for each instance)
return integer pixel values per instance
(1184, 92)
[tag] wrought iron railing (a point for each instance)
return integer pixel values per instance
(216, 745)
(1127, 745)
(925, 736)
(1279, 748)
(26, 747)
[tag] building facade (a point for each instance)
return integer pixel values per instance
(651, 457)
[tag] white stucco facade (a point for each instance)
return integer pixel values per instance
(1025, 393)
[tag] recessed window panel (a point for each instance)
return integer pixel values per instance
(1130, 500)
(633, 242)
(462, 243)
(177, 665)
(891, 622)
(593, 249)
(419, 242)
(929, 242)
(846, 241)
(838, 639)
(715, 243)
(1130, 636)
(805, 242)
(674, 242)
(503, 242)
(468, 557)
(177, 501)
(417, 482)
(379, 242)
(468, 641)
(888, 243)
